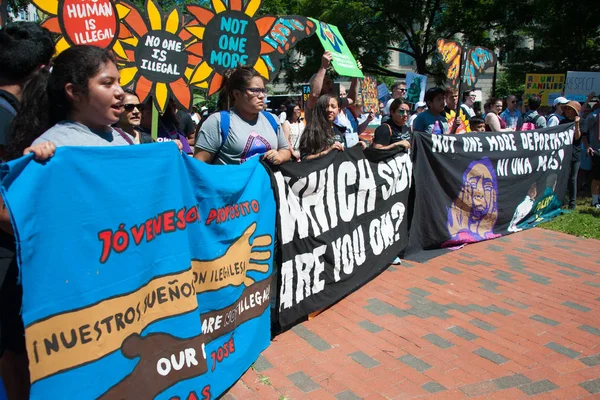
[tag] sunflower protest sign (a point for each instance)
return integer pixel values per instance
(166, 55)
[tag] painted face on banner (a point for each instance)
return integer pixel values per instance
(479, 188)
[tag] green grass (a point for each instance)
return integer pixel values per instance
(584, 221)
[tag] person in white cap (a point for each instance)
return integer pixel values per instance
(556, 117)
(419, 108)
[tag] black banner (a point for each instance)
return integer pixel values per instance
(341, 221)
(477, 186)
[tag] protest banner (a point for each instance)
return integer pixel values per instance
(547, 86)
(368, 89)
(476, 187)
(579, 84)
(341, 222)
(343, 61)
(135, 290)
(305, 95)
(416, 85)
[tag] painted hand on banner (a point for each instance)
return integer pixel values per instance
(245, 254)
(164, 360)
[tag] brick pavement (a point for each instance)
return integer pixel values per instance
(513, 318)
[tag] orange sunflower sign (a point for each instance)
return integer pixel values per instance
(166, 55)
(159, 55)
(91, 22)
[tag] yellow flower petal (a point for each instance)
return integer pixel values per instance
(154, 16)
(132, 41)
(202, 72)
(261, 68)
(188, 73)
(118, 49)
(197, 31)
(173, 19)
(252, 7)
(49, 7)
(218, 6)
(161, 96)
(127, 75)
(122, 11)
(61, 46)
(202, 85)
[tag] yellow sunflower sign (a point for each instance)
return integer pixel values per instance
(164, 55)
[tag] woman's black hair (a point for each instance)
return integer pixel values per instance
(44, 101)
(289, 110)
(319, 132)
(235, 79)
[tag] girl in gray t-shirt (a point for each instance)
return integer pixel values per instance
(242, 130)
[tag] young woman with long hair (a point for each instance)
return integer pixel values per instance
(241, 129)
(293, 127)
(322, 135)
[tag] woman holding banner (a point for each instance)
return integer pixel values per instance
(395, 132)
(322, 135)
(242, 129)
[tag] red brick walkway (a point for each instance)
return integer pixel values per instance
(517, 317)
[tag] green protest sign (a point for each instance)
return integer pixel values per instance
(343, 60)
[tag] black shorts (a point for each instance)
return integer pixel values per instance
(596, 166)
(12, 332)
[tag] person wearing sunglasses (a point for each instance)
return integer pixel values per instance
(131, 118)
(395, 132)
(242, 129)
(512, 115)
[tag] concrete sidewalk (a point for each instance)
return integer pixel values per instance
(516, 317)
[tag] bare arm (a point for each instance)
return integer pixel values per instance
(494, 123)
(402, 143)
(335, 146)
(204, 155)
(577, 133)
(317, 84)
(353, 92)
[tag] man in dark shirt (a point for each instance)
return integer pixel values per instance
(25, 48)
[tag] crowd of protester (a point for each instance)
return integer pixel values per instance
(79, 102)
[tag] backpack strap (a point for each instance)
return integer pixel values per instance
(272, 121)
(7, 106)
(124, 135)
(390, 128)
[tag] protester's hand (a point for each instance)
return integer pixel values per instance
(371, 116)
(363, 144)
(273, 157)
(590, 151)
(404, 143)
(179, 145)
(358, 64)
(42, 151)
(326, 60)
(577, 119)
(296, 154)
(336, 146)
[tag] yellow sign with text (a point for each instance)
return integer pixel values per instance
(547, 86)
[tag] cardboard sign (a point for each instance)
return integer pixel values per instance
(383, 93)
(231, 37)
(579, 84)
(547, 86)
(416, 85)
(80, 22)
(305, 95)
(332, 40)
(368, 88)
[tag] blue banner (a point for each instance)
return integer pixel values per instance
(146, 274)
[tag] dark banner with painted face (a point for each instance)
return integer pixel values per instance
(475, 187)
(341, 221)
